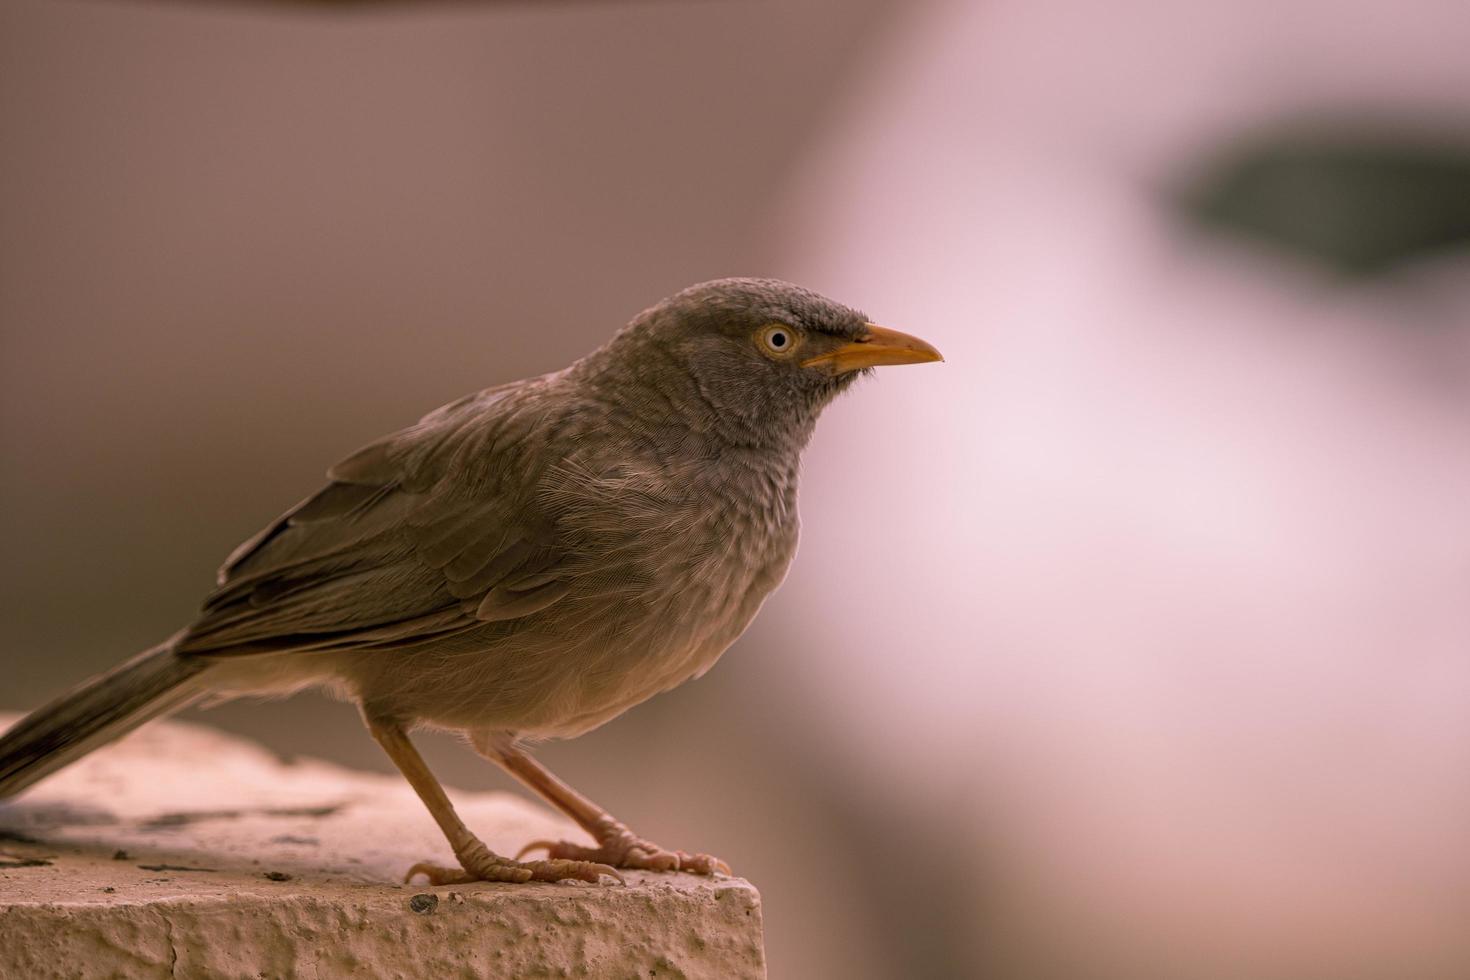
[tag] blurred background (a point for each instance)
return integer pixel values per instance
(1170, 675)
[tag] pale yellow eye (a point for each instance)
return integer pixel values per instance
(778, 339)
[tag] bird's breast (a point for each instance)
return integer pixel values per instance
(714, 568)
(687, 570)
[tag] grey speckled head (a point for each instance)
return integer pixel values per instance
(755, 360)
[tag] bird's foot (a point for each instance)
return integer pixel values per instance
(621, 849)
(479, 863)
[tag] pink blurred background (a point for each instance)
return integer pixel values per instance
(1134, 641)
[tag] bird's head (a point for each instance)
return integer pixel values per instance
(755, 358)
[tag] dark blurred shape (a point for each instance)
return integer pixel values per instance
(1362, 202)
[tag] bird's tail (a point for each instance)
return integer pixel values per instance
(104, 708)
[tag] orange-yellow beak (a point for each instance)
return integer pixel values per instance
(877, 347)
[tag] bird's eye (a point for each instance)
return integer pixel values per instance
(778, 339)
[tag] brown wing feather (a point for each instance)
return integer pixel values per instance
(431, 530)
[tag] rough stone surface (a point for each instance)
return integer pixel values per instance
(182, 852)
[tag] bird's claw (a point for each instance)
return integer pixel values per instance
(559, 870)
(543, 845)
(626, 851)
(438, 874)
(479, 864)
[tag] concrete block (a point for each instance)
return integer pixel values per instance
(184, 852)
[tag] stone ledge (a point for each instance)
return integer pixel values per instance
(182, 852)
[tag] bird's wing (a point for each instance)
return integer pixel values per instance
(433, 530)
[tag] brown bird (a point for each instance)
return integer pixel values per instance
(525, 563)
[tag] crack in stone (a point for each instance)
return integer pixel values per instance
(174, 867)
(173, 951)
(182, 818)
(18, 861)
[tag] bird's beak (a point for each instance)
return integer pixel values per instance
(878, 346)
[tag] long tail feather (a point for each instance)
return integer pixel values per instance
(104, 708)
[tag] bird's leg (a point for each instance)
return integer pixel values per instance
(617, 845)
(477, 862)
